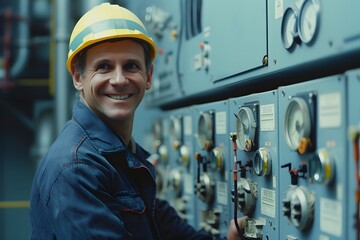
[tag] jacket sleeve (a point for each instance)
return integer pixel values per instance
(171, 226)
(79, 205)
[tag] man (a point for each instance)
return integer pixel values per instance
(95, 182)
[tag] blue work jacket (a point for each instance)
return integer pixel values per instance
(91, 186)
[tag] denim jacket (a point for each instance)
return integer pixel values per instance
(91, 186)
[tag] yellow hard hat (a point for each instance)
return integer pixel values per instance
(103, 22)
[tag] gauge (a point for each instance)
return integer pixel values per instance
(262, 162)
(297, 122)
(217, 159)
(176, 132)
(176, 181)
(308, 20)
(205, 188)
(205, 131)
(289, 28)
(247, 195)
(246, 127)
(163, 152)
(185, 155)
(157, 134)
(322, 167)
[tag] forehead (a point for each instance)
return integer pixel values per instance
(126, 48)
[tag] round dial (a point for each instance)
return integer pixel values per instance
(185, 155)
(247, 195)
(262, 162)
(176, 131)
(157, 134)
(205, 189)
(289, 28)
(322, 167)
(308, 20)
(297, 122)
(217, 159)
(163, 152)
(205, 131)
(246, 127)
(176, 181)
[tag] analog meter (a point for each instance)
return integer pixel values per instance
(157, 134)
(176, 181)
(205, 189)
(298, 207)
(246, 128)
(322, 167)
(217, 159)
(185, 155)
(176, 132)
(262, 162)
(308, 20)
(297, 122)
(289, 28)
(206, 131)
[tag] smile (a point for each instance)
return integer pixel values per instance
(119, 97)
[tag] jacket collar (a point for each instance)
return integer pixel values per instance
(103, 138)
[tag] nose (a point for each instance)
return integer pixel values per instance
(118, 77)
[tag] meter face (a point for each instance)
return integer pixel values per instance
(289, 28)
(246, 127)
(205, 129)
(297, 122)
(308, 20)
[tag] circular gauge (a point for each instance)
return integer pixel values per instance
(185, 155)
(262, 162)
(176, 132)
(297, 122)
(205, 131)
(246, 127)
(289, 28)
(156, 130)
(176, 181)
(308, 20)
(205, 189)
(322, 167)
(217, 159)
(247, 195)
(302, 208)
(163, 152)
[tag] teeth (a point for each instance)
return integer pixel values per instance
(118, 97)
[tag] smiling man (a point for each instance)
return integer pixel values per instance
(95, 182)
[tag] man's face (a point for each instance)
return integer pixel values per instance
(114, 80)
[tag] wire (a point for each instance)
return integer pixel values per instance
(233, 137)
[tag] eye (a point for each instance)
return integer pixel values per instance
(103, 67)
(131, 67)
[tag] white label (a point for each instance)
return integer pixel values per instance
(220, 119)
(267, 117)
(279, 8)
(331, 216)
(274, 181)
(222, 192)
(268, 202)
(330, 110)
(188, 125)
(189, 185)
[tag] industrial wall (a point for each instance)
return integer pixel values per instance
(253, 110)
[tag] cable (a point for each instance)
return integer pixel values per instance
(355, 136)
(233, 137)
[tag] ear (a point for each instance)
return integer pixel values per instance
(149, 76)
(77, 80)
